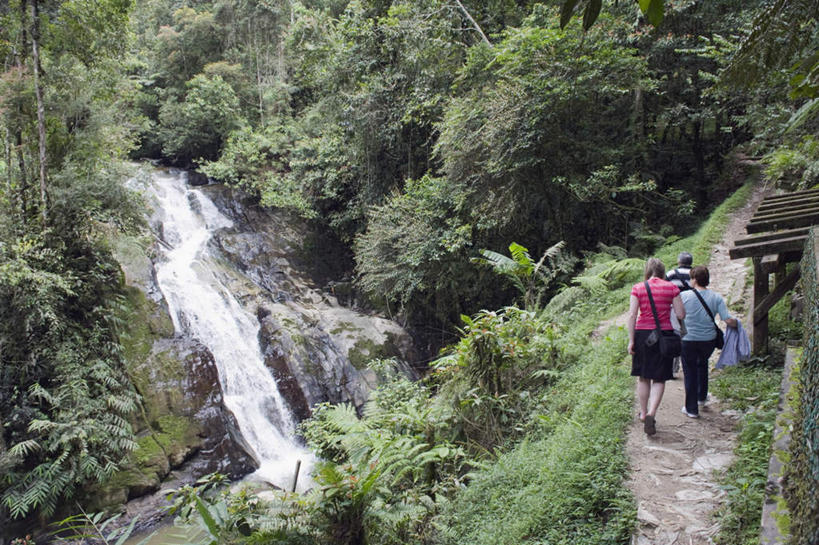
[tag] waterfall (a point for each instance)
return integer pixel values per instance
(200, 305)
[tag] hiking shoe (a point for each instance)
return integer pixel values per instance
(648, 425)
(688, 414)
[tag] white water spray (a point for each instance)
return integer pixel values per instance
(201, 305)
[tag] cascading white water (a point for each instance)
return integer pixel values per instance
(201, 305)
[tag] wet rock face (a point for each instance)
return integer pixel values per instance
(183, 424)
(196, 178)
(309, 366)
(316, 348)
(222, 448)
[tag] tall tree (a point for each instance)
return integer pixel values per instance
(38, 92)
(64, 398)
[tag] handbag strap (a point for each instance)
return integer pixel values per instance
(708, 310)
(653, 308)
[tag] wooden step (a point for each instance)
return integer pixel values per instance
(768, 247)
(784, 221)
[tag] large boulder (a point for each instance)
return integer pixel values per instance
(316, 348)
(182, 423)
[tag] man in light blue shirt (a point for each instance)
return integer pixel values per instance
(698, 342)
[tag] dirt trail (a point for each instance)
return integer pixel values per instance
(674, 473)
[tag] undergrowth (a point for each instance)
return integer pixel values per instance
(564, 483)
(754, 389)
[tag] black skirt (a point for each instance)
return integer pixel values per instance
(646, 362)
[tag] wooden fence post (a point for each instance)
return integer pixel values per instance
(759, 331)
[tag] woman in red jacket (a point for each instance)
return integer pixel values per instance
(651, 368)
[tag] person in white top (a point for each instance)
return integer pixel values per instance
(680, 277)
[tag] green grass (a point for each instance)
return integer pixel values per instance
(563, 485)
(565, 482)
(701, 243)
(753, 389)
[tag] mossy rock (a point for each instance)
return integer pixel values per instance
(179, 438)
(146, 321)
(344, 327)
(108, 497)
(365, 350)
(172, 442)
(158, 379)
(150, 457)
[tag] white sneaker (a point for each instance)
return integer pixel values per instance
(688, 414)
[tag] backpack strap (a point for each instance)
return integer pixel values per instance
(678, 277)
(708, 310)
(653, 308)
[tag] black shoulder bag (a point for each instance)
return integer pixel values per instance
(670, 341)
(719, 342)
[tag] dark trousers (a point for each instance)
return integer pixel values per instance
(695, 356)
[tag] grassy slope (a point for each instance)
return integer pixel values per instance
(754, 389)
(564, 483)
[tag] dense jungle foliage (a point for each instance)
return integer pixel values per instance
(425, 136)
(419, 136)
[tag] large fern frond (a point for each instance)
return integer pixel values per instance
(592, 284)
(503, 265)
(552, 252)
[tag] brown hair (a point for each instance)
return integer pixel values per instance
(701, 275)
(654, 267)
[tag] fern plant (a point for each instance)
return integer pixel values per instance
(382, 470)
(64, 395)
(605, 271)
(93, 527)
(209, 513)
(487, 378)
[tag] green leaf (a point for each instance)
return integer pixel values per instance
(24, 448)
(805, 113)
(566, 12)
(210, 522)
(126, 533)
(653, 10)
(591, 13)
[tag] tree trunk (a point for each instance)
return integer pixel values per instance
(21, 164)
(20, 57)
(38, 91)
(7, 155)
(699, 162)
(474, 23)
